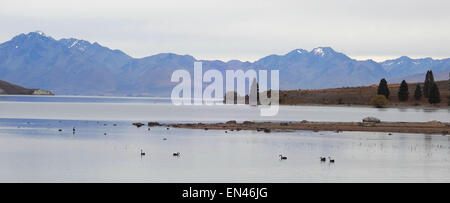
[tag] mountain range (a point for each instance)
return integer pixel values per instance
(78, 67)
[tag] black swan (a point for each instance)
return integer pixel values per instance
(282, 157)
(331, 160)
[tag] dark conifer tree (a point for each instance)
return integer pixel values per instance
(426, 85)
(448, 98)
(429, 80)
(383, 88)
(403, 93)
(418, 93)
(435, 96)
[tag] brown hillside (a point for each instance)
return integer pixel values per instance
(356, 95)
(8, 88)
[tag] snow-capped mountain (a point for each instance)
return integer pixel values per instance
(74, 66)
(405, 66)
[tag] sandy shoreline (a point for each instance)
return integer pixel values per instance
(433, 127)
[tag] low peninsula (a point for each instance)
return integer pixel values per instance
(432, 127)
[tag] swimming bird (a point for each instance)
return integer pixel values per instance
(323, 159)
(142, 153)
(282, 157)
(176, 154)
(331, 160)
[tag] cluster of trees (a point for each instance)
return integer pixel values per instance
(429, 91)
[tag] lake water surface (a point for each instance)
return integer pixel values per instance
(33, 150)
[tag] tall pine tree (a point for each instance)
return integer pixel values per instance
(435, 96)
(448, 97)
(403, 93)
(383, 88)
(418, 93)
(429, 80)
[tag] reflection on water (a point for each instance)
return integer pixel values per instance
(35, 150)
(430, 110)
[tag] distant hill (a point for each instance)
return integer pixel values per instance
(78, 67)
(8, 88)
(442, 75)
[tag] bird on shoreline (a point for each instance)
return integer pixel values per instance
(282, 157)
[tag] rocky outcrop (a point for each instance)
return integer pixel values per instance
(231, 122)
(151, 124)
(137, 124)
(41, 92)
(371, 120)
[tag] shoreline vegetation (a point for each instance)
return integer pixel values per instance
(432, 127)
(358, 96)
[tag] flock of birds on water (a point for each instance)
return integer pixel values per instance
(178, 154)
(322, 159)
(282, 157)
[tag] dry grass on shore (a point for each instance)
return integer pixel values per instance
(358, 96)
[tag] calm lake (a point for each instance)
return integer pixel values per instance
(106, 147)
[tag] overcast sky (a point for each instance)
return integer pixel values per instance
(240, 29)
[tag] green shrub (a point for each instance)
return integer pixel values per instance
(379, 101)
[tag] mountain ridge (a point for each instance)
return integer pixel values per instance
(79, 67)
